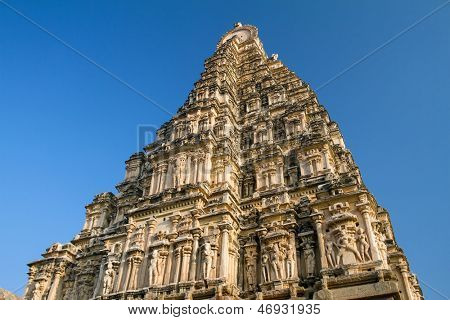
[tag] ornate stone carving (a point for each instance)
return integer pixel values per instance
(247, 192)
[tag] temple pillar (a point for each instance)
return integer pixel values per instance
(176, 273)
(280, 174)
(150, 227)
(318, 220)
(54, 289)
(121, 279)
(168, 272)
(98, 286)
(193, 262)
(224, 255)
(365, 211)
(155, 181)
(194, 172)
(404, 272)
(184, 273)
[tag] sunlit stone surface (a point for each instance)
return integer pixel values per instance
(248, 193)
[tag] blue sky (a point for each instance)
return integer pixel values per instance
(66, 127)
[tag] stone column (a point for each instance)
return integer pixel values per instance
(163, 178)
(98, 286)
(188, 169)
(326, 159)
(121, 278)
(168, 272)
(240, 269)
(176, 273)
(194, 255)
(207, 166)
(404, 272)
(365, 211)
(52, 295)
(195, 173)
(128, 274)
(318, 220)
(155, 181)
(201, 167)
(150, 224)
(184, 274)
(280, 174)
(224, 256)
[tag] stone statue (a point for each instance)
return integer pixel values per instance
(343, 245)
(363, 245)
(265, 267)
(207, 260)
(108, 279)
(154, 271)
(310, 259)
(331, 257)
(382, 247)
(290, 261)
(276, 261)
(251, 274)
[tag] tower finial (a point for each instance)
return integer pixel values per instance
(237, 25)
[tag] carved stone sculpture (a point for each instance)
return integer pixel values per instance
(310, 260)
(154, 271)
(363, 245)
(108, 279)
(247, 192)
(207, 260)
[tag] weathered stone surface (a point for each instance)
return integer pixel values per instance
(7, 295)
(248, 192)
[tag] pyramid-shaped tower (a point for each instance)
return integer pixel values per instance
(248, 192)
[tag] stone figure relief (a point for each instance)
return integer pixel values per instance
(329, 250)
(344, 246)
(154, 269)
(207, 260)
(310, 259)
(290, 261)
(108, 279)
(251, 272)
(380, 238)
(265, 267)
(363, 245)
(276, 260)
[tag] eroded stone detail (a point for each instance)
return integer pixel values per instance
(248, 192)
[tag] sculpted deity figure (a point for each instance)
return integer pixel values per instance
(363, 245)
(290, 261)
(207, 260)
(344, 245)
(251, 275)
(275, 256)
(153, 272)
(108, 279)
(265, 267)
(310, 259)
(382, 246)
(329, 249)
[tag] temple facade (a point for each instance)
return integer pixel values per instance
(248, 192)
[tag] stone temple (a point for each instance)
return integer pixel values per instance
(248, 192)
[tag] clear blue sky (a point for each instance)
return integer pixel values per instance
(66, 127)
